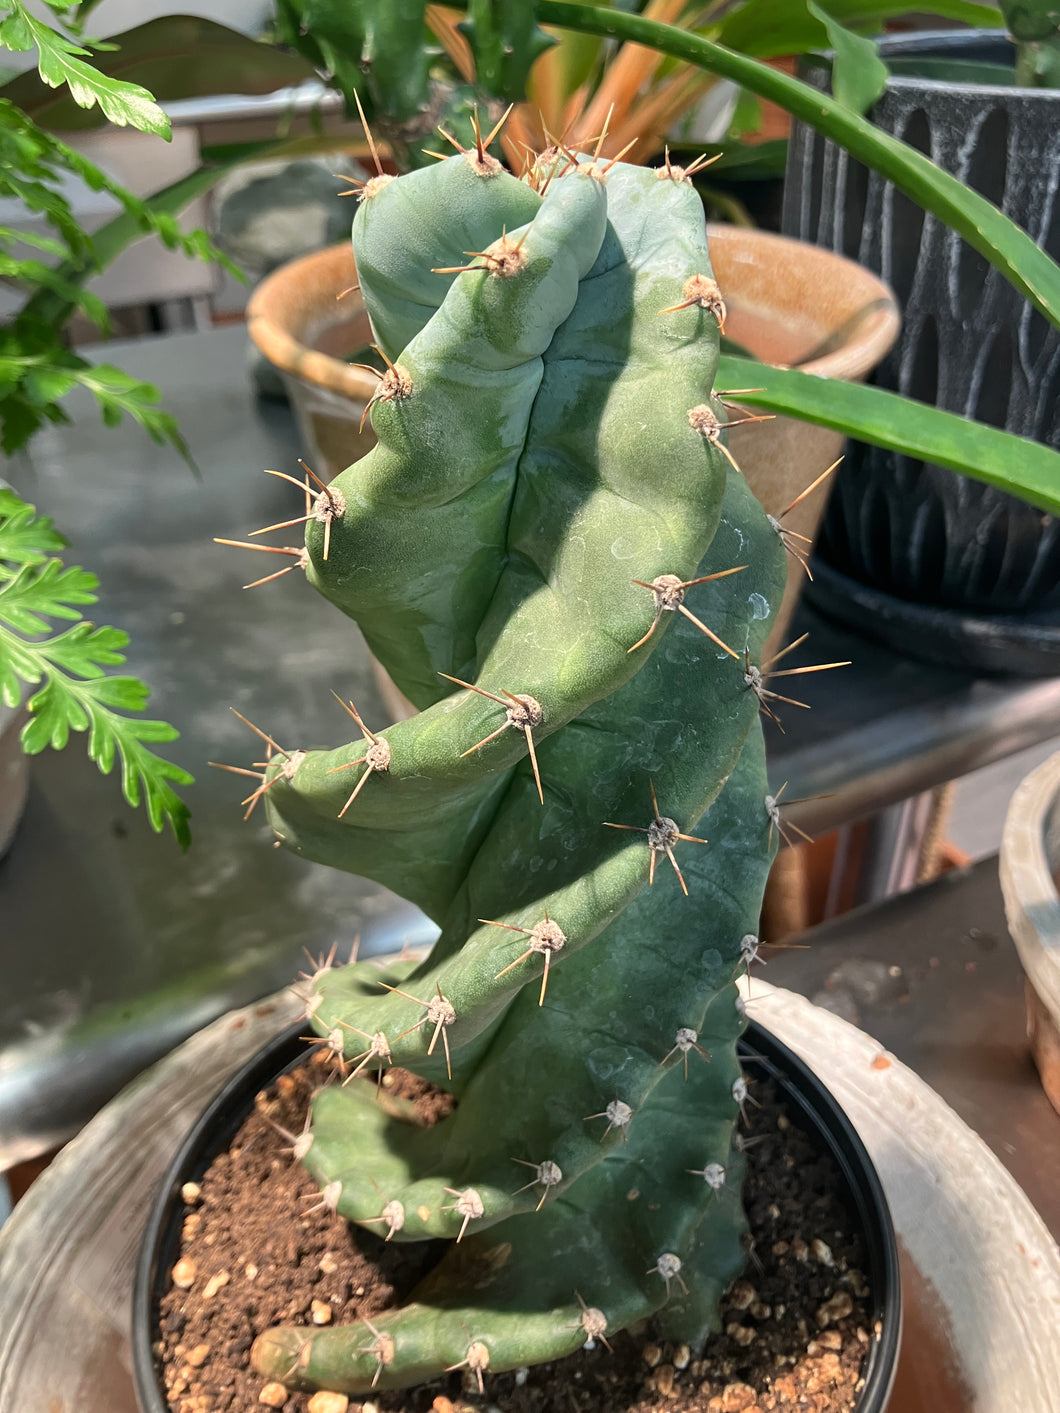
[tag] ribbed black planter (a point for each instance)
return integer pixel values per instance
(762, 1056)
(969, 343)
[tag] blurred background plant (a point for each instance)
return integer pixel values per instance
(67, 672)
(577, 85)
(37, 369)
(1035, 27)
(413, 66)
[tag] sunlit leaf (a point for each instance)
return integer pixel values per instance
(60, 61)
(174, 57)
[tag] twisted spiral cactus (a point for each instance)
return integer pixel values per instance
(519, 550)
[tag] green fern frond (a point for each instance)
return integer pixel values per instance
(69, 669)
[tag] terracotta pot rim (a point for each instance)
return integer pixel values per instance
(869, 339)
(293, 298)
(302, 293)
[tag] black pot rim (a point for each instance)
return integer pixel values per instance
(940, 43)
(761, 1054)
(1003, 645)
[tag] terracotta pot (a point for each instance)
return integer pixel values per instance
(1030, 871)
(306, 326)
(793, 304)
(789, 303)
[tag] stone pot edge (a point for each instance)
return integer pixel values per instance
(991, 1262)
(1032, 904)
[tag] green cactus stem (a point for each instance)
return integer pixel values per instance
(552, 554)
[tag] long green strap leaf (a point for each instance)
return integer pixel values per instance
(1026, 468)
(981, 224)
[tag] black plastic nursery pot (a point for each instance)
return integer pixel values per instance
(938, 564)
(762, 1056)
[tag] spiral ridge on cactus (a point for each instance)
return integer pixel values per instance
(567, 576)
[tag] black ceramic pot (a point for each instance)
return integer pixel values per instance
(763, 1057)
(969, 343)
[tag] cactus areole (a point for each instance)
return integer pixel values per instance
(585, 816)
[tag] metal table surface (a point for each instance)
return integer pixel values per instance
(113, 945)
